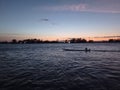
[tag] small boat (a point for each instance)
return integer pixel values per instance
(106, 50)
(86, 50)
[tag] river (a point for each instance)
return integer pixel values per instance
(49, 67)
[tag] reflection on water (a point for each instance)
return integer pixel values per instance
(49, 67)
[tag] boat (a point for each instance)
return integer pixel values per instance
(88, 50)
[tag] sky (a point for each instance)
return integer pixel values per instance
(59, 19)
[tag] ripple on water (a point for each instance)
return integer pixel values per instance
(48, 67)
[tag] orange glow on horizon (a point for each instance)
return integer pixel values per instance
(9, 37)
(50, 38)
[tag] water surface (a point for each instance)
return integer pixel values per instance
(49, 67)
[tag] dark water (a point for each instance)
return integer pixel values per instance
(49, 67)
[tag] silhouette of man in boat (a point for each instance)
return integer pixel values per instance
(87, 50)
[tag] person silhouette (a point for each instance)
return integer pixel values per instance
(86, 50)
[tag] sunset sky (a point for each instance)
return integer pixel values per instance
(59, 19)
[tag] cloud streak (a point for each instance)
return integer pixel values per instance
(99, 6)
(108, 37)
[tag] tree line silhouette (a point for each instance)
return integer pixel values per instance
(71, 40)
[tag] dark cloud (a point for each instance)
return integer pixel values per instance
(44, 19)
(47, 20)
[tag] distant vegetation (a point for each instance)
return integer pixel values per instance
(76, 40)
(72, 40)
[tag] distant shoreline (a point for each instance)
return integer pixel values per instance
(73, 40)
